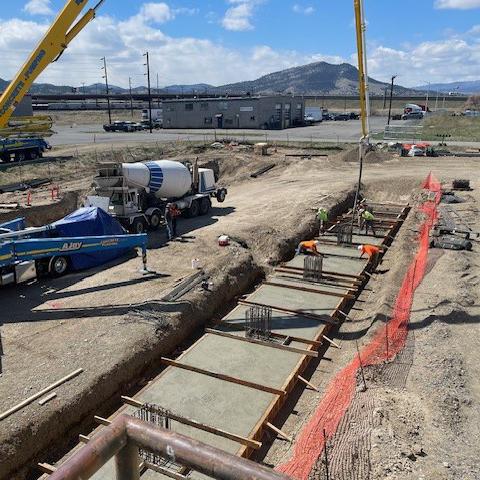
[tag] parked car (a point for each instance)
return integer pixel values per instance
(122, 126)
(309, 120)
(413, 116)
(416, 151)
(145, 124)
(342, 117)
(354, 116)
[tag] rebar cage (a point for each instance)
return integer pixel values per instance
(312, 268)
(258, 322)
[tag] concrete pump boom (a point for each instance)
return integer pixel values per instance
(50, 48)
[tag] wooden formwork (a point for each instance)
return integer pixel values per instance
(341, 285)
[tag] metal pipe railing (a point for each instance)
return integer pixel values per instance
(126, 435)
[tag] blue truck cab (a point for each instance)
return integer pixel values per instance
(20, 149)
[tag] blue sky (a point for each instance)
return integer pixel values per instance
(221, 41)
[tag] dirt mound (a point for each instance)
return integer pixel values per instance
(372, 156)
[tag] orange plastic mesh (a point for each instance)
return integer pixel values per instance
(340, 392)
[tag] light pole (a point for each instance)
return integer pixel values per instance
(131, 97)
(391, 97)
(107, 87)
(426, 100)
(149, 91)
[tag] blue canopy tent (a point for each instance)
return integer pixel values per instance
(87, 222)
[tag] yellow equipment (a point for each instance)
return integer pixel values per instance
(49, 50)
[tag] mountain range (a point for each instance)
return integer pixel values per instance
(319, 78)
(465, 88)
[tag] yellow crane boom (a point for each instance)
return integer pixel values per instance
(50, 48)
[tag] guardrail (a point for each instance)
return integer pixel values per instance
(125, 435)
(409, 133)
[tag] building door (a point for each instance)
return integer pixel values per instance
(219, 120)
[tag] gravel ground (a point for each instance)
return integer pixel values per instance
(89, 319)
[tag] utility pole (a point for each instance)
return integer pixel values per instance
(426, 100)
(149, 90)
(391, 97)
(131, 97)
(385, 97)
(158, 94)
(108, 89)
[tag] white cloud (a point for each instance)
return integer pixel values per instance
(451, 59)
(38, 7)
(176, 59)
(457, 4)
(303, 10)
(238, 17)
(156, 12)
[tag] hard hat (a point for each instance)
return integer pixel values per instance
(360, 247)
(317, 243)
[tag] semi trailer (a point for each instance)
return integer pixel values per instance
(136, 194)
(86, 238)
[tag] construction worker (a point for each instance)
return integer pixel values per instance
(175, 212)
(169, 220)
(372, 251)
(368, 218)
(308, 247)
(322, 216)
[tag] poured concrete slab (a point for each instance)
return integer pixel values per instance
(282, 323)
(305, 302)
(334, 264)
(246, 361)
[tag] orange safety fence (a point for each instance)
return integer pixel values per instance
(386, 343)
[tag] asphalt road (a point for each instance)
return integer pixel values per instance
(344, 132)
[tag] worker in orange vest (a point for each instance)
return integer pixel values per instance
(308, 247)
(371, 250)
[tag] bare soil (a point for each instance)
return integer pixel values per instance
(110, 321)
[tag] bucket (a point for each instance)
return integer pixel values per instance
(223, 240)
(196, 264)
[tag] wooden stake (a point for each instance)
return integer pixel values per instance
(207, 428)
(83, 438)
(46, 399)
(306, 382)
(102, 421)
(31, 399)
(329, 340)
(361, 367)
(46, 468)
(279, 432)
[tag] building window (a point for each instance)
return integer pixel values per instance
(228, 121)
(170, 108)
(299, 106)
(207, 120)
(204, 106)
(287, 107)
(223, 105)
(252, 118)
(278, 106)
(189, 107)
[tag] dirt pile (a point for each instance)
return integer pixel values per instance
(372, 156)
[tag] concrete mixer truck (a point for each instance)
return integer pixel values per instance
(137, 193)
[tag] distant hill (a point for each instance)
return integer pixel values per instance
(465, 88)
(320, 78)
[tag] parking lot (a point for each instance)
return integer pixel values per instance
(341, 131)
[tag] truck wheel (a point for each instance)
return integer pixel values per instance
(138, 226)
(32, 155)
(221, 194)
(205, 205)
(20, 156)
(194, 209)
(155, 220)
(58, 266)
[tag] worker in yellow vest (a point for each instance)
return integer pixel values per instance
(322, 216)
(368, 219)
